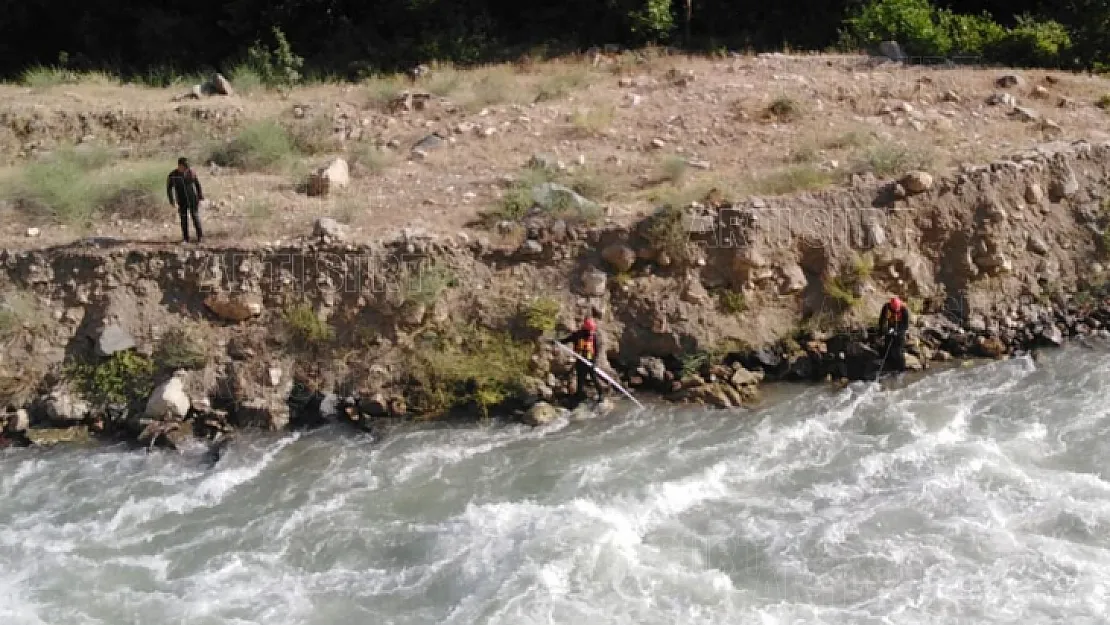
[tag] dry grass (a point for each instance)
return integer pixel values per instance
(825, 110)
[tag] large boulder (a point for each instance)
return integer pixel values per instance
(112, 339)
(593, 283)
(541, 413)
(64, 407)
(169, 400)
(329, 230)
(235, 307)
(619, 256)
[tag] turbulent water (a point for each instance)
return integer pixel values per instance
(968, 496)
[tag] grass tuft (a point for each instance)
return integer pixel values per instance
(791, 180)
(783, 109)
(259, 146)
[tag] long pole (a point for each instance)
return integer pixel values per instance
(889, 344)
(597, 370)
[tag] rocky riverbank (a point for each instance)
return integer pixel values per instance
(159, 344)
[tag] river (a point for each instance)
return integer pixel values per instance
(973, 495)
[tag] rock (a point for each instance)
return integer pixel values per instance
(694, 292)
(541, 413)
(619, 256)
(917, 181)
(113, 339)
(318, 185)
(275, 375)
(654, 368)
(33, 232)
(374, 406)
(1053, 335)
(168, 435)
(991, 347)
(747, 262)
(1063, 187)
(594, 283)
(53, 436)
(531, 247)
(556, 197)
(1025, 114)
(429, 142)
(742, 377)
(169, 400)
(892, 51)
(1034, 194)
(63, 406)
(329, 230)
(1039, 92)
(219, 85)
(794, 279)
(235, 307)
(1036, 244)
(270, 413)
(17, 422)
(337, 172)
(1008, 80)
(913, 363)
(1002, 99)
(413, 313)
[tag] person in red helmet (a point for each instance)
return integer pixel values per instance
(894, 321)
(587, 344)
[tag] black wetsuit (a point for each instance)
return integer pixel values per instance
(894, 343)
(588, 346)
(184, 191)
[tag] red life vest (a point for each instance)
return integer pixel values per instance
(585, 347)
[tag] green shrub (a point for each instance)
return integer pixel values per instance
(370, 158)
(260, 145)
(792, 179)
(125, 377)
(674, 170)
(277, 66)
(541, 314)
(891, 159)
(1031, 43)
(73, 185)
(180, 349)
(783, 109)
(246, 79)
(468, 366)
(925, 30)
(304, 327)
(316, 136)
(1103, 101)
(665, 231)
(562, 84)
(732, 302)
(427, 283)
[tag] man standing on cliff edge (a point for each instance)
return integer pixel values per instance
(183, 189)
(894, 321)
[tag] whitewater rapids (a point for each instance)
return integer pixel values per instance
(968, 496)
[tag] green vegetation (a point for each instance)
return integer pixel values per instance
(180, 348)
(304, 327)
(425, 285)
(541, 314)
(521, 196)
(562, 84)
(467, 366)
(591, 122)
(792, 179)
(276, 66)
(844, 289)
(674, 169)
(925, 30)
(890, 159)
(369, 158)
(74, 185)
(783, 109)
(259, 146)
(732, 302)
(666, 233)
(316, 136)
(125, 378)
(1103, 102)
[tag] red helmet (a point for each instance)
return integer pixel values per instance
(895, 303)
(589, 325)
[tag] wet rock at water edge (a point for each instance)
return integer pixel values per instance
(541, 413)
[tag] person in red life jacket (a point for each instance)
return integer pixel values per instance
(894, 321)
(184, 192)
(587, 344)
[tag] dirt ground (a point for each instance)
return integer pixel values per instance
(637, 131)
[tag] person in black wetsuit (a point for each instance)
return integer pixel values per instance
(894, 321)
(183, 189)
(587, 344)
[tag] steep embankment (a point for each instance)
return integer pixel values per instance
(699, 305)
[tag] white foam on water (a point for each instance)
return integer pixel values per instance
(970, 496)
